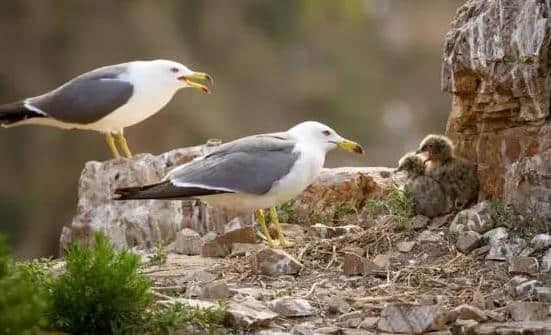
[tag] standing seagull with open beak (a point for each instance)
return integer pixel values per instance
(251, 173)
(107, 99)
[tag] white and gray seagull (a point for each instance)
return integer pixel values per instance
(251, 173)
(107, 99)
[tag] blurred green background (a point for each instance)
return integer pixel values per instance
(368, 68)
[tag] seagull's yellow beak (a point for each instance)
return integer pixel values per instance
(197, 76)
(350, 146)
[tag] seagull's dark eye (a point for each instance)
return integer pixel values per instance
(174, 69)
(326, 132)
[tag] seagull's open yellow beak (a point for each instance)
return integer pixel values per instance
(198, 76)
(350, 146)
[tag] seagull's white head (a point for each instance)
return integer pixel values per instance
(173, 74)
(321, 136)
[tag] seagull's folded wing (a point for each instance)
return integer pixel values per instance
(248, 165)
(87, 98)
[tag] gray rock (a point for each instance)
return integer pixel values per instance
(546, 261)
(528, 311)
(411, 319)
(467, 241)
(464, 327)
(249, 313)
(256, 293)
(523, 265)
(497, 240)
(271, 332)
(292, 307)
(527, 289)
(477, 218)
(138, 223)
(348, 316)
(216, 290)
(541, 242)
(348, 331)
(188, 242)
(405, 246)
(274, 262)
(466, 312)
(419, 222)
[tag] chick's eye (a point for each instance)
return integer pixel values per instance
(326, 132)
(174, 69)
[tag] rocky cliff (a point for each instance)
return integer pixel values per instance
(496, 69)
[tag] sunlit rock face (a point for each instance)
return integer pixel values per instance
(496, 68)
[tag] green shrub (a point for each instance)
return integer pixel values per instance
(100, 292)
(22, 303)
(160, 256)
(400, 202)
(178, 316)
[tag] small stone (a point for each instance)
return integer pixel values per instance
(270, 332)
(440, 332)
(405, 246)
(353, 264)
(338, 305)
(541, 242)
(546, 261)
(496, 238)
(466, 312)
(477, 218)
(527, 288)
(382, 261)
(350, 323)
(528, 311)
(292, 307)
(351, 315)
(349, 331)
(408, 318)
(523, 265)
(428, 236)
(543, 294)
(249, 313)
(369, 323)
(221, 246)
(419, 221)
(216, 290)
(188, 242)
(467, 241)
(274, 262)
(517, 280)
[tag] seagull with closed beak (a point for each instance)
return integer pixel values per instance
(108, 99)
(251, 173)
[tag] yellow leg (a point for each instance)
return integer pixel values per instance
(284, 242)
(111, 144)
(123, 145)
(262, 223)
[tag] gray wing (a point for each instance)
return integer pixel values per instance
(87, 98)
(248, 165)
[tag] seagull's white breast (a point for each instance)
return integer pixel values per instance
(147, 99)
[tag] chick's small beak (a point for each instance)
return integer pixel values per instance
(198, 76)
(350, 146)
